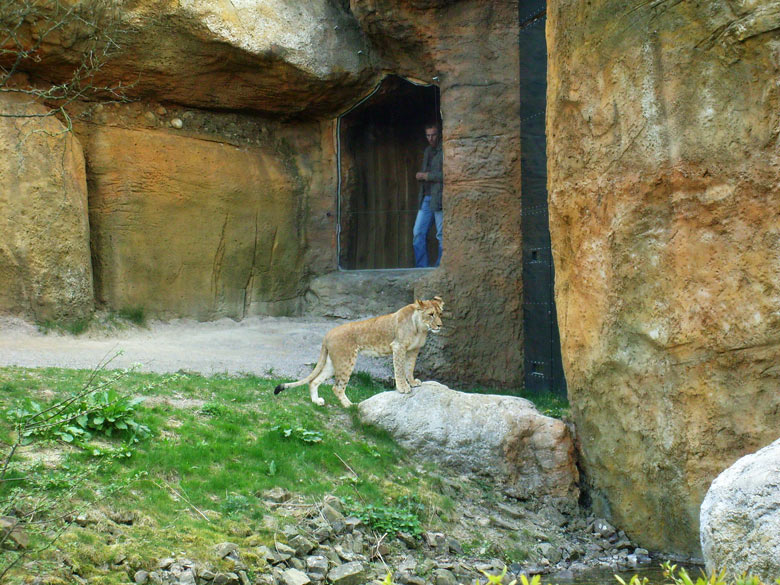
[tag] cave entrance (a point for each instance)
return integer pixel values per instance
(381, 143)
(543, 365)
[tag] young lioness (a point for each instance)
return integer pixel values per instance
(401, 334)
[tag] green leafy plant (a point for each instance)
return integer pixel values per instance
(402, 516)
(213, 409)
(235, 505)
(300, 433)
(77, 419)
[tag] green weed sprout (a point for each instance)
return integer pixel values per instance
(499, 579)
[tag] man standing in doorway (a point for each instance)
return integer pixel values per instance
(431, 180)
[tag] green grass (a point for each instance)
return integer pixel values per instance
(217, 443)
(136, 315)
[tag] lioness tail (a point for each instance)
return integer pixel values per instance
(315, 372)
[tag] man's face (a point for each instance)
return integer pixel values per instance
(432, 136)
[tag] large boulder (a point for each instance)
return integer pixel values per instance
(504, 437)
(662, 127)
(740, 517)
(45, 268)
(282, 57)
(183, 226)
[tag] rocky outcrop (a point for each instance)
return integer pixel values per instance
(280, 57)
(501, 436)
(183, 226)
(740, 517)
(44, 249)
(662, 129)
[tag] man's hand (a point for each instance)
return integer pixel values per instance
(421, 176)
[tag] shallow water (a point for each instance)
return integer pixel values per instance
(606, 576)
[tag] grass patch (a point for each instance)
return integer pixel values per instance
(73, 326)
(208, 450)
(135, 315)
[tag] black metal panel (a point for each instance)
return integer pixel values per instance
(542, 350)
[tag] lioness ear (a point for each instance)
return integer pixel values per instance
(438, 300)
(418, 304)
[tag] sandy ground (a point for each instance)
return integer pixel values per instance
(267, 346)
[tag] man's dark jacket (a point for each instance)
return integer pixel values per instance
(433, 163)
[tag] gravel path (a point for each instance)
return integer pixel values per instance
(267, 346)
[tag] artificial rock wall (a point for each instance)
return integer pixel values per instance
(45, 270)
(213, 193)
(471, 48)
(662, 125)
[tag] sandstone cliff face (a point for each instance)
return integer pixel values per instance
(187, 226)
(471, 47)
(44, 249)
(663, 173)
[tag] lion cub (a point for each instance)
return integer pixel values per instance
(401, 334)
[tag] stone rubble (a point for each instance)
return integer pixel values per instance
(327, 547)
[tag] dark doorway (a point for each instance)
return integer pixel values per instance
(381, 143)
(542, 351)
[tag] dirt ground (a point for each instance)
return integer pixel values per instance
(279, 347)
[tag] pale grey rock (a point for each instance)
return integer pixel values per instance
(12, 535)
(225, 549)
(740, 517)
(317, 567)
(331, 514)
(301, 544)
(357, 294)
(277, 495)
(352, 573)
(295, 577)
(444, 577)
(503, 435)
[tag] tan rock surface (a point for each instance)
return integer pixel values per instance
(662, 141)
(283, 57)
(45, 271)
(190, 227)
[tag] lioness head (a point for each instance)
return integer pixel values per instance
(430, 312)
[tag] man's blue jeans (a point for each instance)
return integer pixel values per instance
(425, 217)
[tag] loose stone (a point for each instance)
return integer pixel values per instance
(302, 545)
(225, 549)
(352, 573)
(277, 495)
(444, 577)
(295, 577)
(317, 567)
